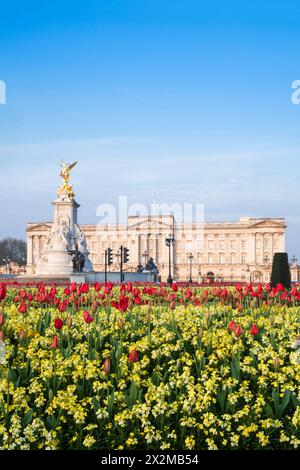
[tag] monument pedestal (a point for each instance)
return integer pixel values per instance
(65, 236)
(78, 278)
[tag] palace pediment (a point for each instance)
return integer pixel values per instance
(39, 227)
(268, 223)
(149, 224)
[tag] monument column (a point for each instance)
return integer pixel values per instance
(29, 251)
(252, 248)
(65, 234)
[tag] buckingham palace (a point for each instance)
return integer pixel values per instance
(221, 251)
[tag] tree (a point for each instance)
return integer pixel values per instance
(13, 249)
(281, 271)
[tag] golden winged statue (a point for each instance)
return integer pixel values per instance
(66, 188)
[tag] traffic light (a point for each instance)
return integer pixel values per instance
(125, 254)
(109, 256)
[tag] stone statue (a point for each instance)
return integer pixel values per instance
(80, 237)
(139, 268)
(151, 266)
(78, 260)
(60, 236)
(66, 188)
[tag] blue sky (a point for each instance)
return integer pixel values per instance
(190, 99)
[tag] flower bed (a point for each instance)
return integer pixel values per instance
(149, 367)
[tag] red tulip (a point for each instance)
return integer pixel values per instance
(58, 323)
(73, 287)
(136, 292)
(97, 286)
(260, 289)
(107, 366)
(22, 308)
(238, 331)
(63, 306)
(67, 291)
(254, 330)
(54, 344)
(294, 291)
(224, 293)
(2, 319)
(280, 288)
(23, 294)
(2, 336)
(232, 325)
(133, 356)
(188, 293)
(123, 304)
(108, 287)
(87, 317)
(2, 291)
(284, 296)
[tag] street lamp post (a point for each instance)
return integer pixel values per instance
(7, 265)
(145, 255)
(169, 242)
(190, 257)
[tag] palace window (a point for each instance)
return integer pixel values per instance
(210, 244)
(232, 258)
(243, 258)
(232, 244)
(210, 259)
(222, 259)
(222, 244)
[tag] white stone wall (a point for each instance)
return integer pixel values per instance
(230, 250)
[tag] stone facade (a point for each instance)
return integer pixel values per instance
(229, 251)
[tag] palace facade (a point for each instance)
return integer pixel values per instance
(228, 251)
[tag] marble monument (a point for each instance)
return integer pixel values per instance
(65, 234)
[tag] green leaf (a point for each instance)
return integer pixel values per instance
(286, 399)
(96, 404)
(110, 403)
(269, 411)
(27, 419)
(51, 422)
(235, 368)
(280, 406)
(156, 379)
(295, 401)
